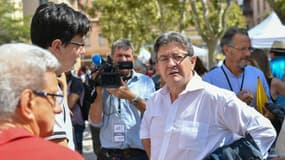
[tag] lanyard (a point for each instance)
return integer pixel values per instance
(119, 106)
(228, 80)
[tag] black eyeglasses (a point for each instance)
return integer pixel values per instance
(82, 44)
(59, 97)
(176, 57)
(243, 50)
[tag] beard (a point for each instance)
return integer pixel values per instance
(243, 63)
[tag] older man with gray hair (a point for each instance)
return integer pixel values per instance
(189, 118)
(28, 104)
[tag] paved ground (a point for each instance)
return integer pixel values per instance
(87, 145)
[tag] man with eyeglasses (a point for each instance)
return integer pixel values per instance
(28, 104)
(118, 111)
(61, 30)
(188, 118)
(235, 74)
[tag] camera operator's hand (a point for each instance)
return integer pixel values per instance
(96, 108)
(122, 92)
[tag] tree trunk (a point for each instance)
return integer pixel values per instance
(211, 44)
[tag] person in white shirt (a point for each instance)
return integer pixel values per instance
(190, 118)
(62, 30)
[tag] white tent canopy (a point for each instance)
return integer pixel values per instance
(200, 51)
(265, 33)
(144, 55)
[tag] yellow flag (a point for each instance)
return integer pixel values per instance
(261, 97)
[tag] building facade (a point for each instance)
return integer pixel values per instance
(255, 11)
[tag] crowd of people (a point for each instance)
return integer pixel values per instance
(176, 109)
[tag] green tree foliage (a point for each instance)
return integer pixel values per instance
(11, 29)
(279, 7)
(140, 21)
(211, 18)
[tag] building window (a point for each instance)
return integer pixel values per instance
(101, 40)
(264, 5)
(258, 7)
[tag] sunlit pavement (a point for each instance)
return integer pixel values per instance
(87, 145)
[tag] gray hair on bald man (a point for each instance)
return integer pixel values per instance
(172, 36)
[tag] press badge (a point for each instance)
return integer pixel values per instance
(118, 132)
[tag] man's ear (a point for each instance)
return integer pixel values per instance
(193, 61)
(226, 49)
(55, 46)
(26, 104)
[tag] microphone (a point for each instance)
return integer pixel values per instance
(97, 60)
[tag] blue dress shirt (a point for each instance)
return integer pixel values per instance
(122, 111)
(245, 81)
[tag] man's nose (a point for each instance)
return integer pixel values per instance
(82, 50)
(123, 58)
(247, 53)
(57, 109)
(171, 61)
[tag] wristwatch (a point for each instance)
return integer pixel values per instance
(135, 101)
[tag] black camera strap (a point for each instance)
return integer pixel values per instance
(119, 100)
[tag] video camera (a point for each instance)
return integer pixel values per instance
(108, 72)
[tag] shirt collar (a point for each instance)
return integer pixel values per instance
(13, 134)
(194, 84)
(229, 72)
(135, 77)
